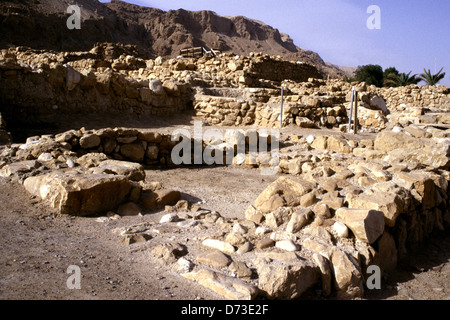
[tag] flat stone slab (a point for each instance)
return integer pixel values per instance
(80, 194)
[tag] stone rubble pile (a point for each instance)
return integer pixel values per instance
(343, 204)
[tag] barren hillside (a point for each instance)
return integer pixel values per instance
(41, 24)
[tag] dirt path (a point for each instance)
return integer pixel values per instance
(37, 247)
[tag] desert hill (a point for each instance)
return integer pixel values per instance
(41, 24)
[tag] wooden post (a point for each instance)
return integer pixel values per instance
(281, 108)
(355, 120)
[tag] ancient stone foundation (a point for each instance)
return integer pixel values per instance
(226, 90)
(341, 204)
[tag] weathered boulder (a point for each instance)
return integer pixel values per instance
(282, 192)
(170, 252)
(286, 279)
(325, 269)
(133, 151)
(156, 87)
(73, 77)
(89, 141)
(80, 194)
(387, 252)
(298, 220)
(338, 144)
(18, 168)
(226, 286)
(348, 279)
(91, 160)
(366, 224)
(388, 140)
(422, 182)
(215, 258)
(219, 245)
(156, 199)
(391, 204)
(133, 171)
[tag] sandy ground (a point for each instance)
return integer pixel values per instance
(38, 246)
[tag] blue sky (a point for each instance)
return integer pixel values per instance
(414, 34)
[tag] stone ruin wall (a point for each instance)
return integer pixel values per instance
(38, 86)
(320, 103)
(226, 90)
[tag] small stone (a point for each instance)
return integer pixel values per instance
(130, 239)
(238, 228)
(287, 245)
(262, 230)
(45, 157)
(228, 287)
(240, 269)
(129, 209)
(183, 265)
(219, 245)
(215, 258)
(90, 141)
(264, 243)
(340, 229)
(112, 215)
(246, 247)
(70, 163)
(308, 200)
(235, 238)
(322, 210)
(170, 252)
(170, 217)
(310, 139)
(188, 223)
(282, 235)
(298, 220)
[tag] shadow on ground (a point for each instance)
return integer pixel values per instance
(432, 256)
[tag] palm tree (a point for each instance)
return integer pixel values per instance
(390, 77)
(432, 79)
(404, 79)
(390, 80)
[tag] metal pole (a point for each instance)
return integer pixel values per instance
(355, 120)
(281, 108)
(351, 110)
